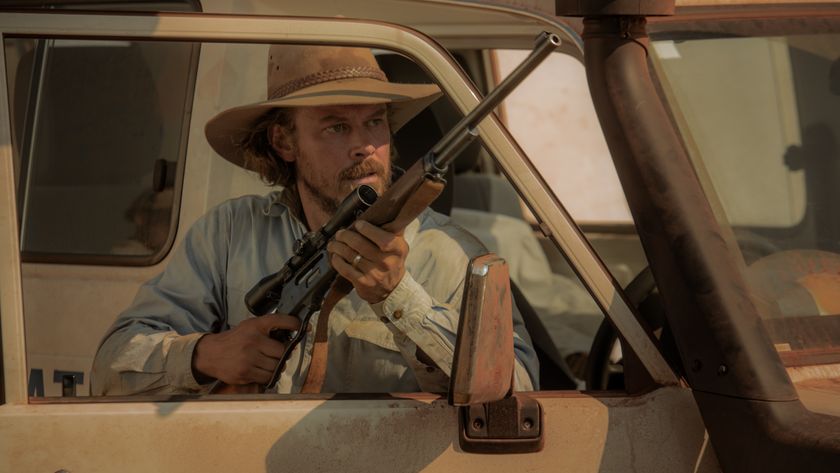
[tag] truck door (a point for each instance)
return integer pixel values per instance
(81, 233)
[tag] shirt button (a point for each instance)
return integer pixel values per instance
(397, 314)
(309, 327)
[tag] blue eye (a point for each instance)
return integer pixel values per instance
(376, 122)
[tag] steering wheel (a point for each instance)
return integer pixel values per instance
(605, 365)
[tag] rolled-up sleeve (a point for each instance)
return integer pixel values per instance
(149, 347)
(423, 310)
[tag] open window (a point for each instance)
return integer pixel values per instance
(99, 131)
(168, 177)
(100, 134)
(95, 188)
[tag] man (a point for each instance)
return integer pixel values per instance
(325, 129)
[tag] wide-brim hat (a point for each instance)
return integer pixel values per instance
(306, 76)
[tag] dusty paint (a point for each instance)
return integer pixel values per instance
(582, 433)
(485, 334)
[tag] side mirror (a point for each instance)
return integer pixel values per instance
(482, 369)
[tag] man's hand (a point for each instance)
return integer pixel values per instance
(371, 258)
(245, 354)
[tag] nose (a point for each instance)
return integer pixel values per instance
(363, 145)
(363, 152)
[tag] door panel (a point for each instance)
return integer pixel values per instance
(658, 432)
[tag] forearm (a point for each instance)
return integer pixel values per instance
(425, 330)
(138, 359)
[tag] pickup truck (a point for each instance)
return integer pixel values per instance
(663, 189)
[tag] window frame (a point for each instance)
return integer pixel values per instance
(22, 181)
(555, 222)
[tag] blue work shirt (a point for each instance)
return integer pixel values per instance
(372, 347)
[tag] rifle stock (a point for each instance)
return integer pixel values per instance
(405, 200)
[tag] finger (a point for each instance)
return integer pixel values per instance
(346, 270)
(249, 374)
(260, 375)
(359, 244)
(363, 262)
(342, 250)
(383, 239)
(267, 323)
(271, 348)
(265, 363)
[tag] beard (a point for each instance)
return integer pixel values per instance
(328, 194)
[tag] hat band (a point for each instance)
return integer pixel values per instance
(350, 72)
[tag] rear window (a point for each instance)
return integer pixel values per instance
(99, 132)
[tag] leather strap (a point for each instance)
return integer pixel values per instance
(318, 366)
(421, 198)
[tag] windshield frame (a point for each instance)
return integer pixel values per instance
(747, 21)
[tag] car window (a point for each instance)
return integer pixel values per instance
(764, 138)
(560, 315)
(99, 138)
(553, 119)
(574, 161)
(99, 134)
(735, 145)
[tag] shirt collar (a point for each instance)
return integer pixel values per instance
(286, 200)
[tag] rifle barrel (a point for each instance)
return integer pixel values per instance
(464, 132)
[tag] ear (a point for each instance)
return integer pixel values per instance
(280, 143)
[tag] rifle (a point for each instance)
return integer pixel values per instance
(299, 287)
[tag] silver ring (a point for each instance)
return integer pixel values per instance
(356, 260)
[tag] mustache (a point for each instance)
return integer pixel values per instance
(362, 169)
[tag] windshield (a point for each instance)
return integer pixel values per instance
(758, 105)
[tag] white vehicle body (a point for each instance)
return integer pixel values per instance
(54, 313)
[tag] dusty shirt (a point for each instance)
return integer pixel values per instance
(372, 348)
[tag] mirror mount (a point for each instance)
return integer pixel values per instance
(491, 418)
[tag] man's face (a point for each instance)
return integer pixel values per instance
(340, 148)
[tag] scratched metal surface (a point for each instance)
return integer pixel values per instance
(401, 434)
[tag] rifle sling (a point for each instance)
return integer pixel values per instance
(318, 366)
(424, 195)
